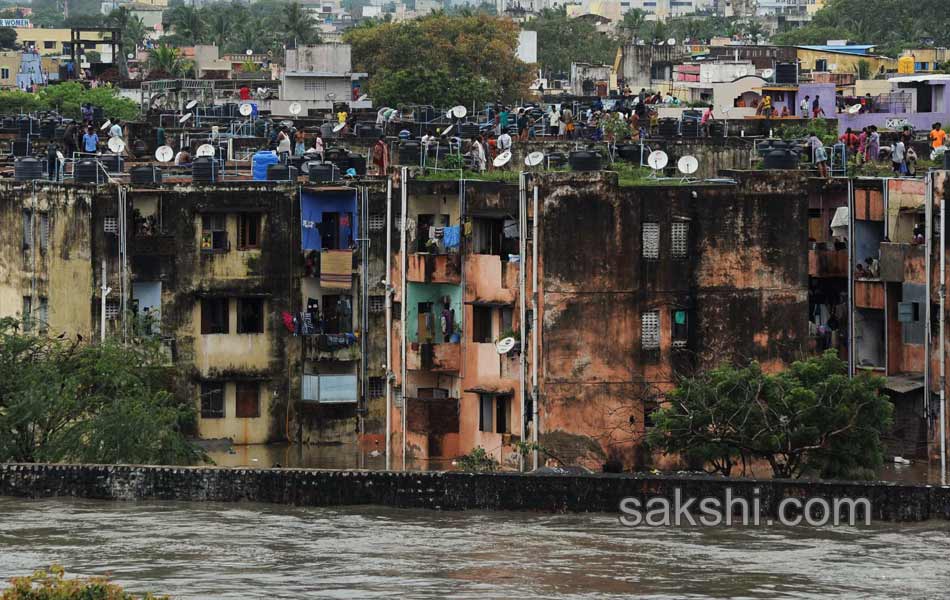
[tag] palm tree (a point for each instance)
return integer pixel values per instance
(165, 59)
(632, 23)
(297, 25)
(188, 24)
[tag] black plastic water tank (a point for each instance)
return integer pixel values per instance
(21, 147)
(781, 159)
(690, 128)
(9, 123)
(139, 147)
(409, 153)
(336, 155)
(629, 152)
(279, 172)
(786, 73)
(584, 160)
(112, 162)
(717, 129)
(320, 172)
(366, 130)
(358, 163)
(48, 129)
(145, 175)
(469, 130)
(204, 170)
(556, 159)
(88, 171)
(27, 169)
(668, 127)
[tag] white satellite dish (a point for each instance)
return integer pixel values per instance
(331, 96)
(854, 109)
(246, 109)
(767, 74)
(116, 145)
(671, 42)
(249, 52)
(191, 105)
(106, 125)
(362, 97)
(164, 154)
(185, 117)
(205, 150)
(130, 56)
(502, 159)
(338, 127)
(534, 159)
(505, 345)
(657, 160)
(294, 108)
(459, 111)
(59, 156)
(446, 130)
(687, 165)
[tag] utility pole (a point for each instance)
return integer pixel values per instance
(104, 291)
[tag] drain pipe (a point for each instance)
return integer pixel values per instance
(404, 182)
(928, 336)
(389, 322)
(943, 349)
(534, 331)
(523, 251)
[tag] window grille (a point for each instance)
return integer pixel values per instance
(651, 240)
(650, 330)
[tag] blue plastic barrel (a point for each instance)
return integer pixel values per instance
(259, 163)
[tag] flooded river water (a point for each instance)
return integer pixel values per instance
(192, 550)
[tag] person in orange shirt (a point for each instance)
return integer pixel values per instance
(938, 136)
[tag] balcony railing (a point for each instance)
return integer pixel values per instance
(434, 268)
(446, 357)
(828, 263)
(343, 347)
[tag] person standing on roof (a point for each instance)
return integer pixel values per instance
(938, 137)
(803, 107)
(90, 141)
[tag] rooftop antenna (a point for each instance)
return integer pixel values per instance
(294, 108)
(534, 159)
(502, 159)
(205, 150)
(687, 165)
(191, 105)
(164, 154)
(106, 125)
(116, 145)
(246, 109)
(184, 118)
(657, 161)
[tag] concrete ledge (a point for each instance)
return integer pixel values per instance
(447, 490)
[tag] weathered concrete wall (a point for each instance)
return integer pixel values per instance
(447, 491)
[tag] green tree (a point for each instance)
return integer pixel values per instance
(166, 61)
(632, 24)
(811, 417)
(187, 24)
(52, 584)
(7, 38)
(296, 25)
(72, 401)
(562, 40)
(453, 58)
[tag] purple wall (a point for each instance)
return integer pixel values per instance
(826, 91)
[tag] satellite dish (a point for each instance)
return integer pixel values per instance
(338, 127)
(246, 109)
(164, 154)
(130, 56)
(185, 117)
(106, 125)
(661, 43)
(502, 159)
(854, 109)
(505, 345)
(459, 111)
(362, 97)
(205, 150)
(287, 123)
(687, 165)
(116, 145)
(294, 108)
(446, 130)
(671, 42)
(657, 160)
(59, 155)
(534, 159)
(191, 105)
(767, 74)
(249, 52)
(331, 96)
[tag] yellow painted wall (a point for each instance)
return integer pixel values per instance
(241, 431)
(41, 38)
(9, 66)
(845, 63)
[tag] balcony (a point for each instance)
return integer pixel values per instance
(902, 262)
(340, 347)
(434, 268)
(153, 245)
(444, 358)
(827, 263)
(869, 293)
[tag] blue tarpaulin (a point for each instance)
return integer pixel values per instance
(313, 205)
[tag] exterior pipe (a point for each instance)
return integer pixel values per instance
(535, 333)
(523, 251)
(928, 338)
(404, 182)
(389, 322)
(943, 349)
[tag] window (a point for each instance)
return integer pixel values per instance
(112, 310)
(249, 231)
(494, 413)
(27, 229)
(250, 314)
(484, 412)
(212, 400)
(214, 233)
(4, 73)
(110, 225)
(507, 318)
(247, 400)
(376, 387)
(214, 315)
(315, 85)
(680, 331)
(680, 234)
(502, 413)
(44, 231)
(481, 324)
(650, 232)
(650, 330)
(337, 314)
(377, 222)
(49, 45)
(377, 304)
(27, 315)
(43, 317)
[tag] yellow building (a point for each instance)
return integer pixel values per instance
(924, 60)
(56, 42)
(833, 61)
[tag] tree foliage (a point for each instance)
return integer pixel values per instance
(7, 38)
(562, 40)
(810, 418)
(65, 400)
(52, 584)
(67, 98)
(457, 60)
(893, 25)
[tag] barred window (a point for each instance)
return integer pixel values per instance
(680, 239)
(377, 222)
(650, 330)
(44, 231)
(377, 304)
(110, 225)
(376, 388)
(651, 240)
(112, 309)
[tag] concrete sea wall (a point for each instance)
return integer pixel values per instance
(446, 491)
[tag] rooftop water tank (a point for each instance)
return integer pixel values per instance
(259, 163)
(27, 169)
